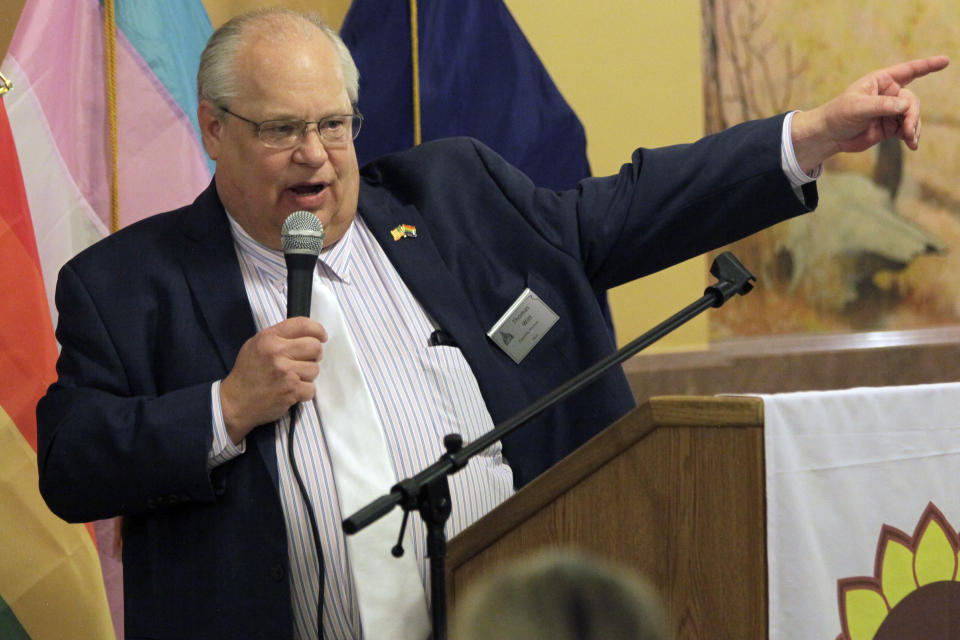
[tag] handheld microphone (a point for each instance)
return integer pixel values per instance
(302, 239)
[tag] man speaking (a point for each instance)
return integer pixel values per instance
(179, 365)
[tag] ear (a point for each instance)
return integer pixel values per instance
(211, 128)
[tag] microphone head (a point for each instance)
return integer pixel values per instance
(302, 233)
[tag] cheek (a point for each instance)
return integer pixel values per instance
(348, 173)
(264, 172)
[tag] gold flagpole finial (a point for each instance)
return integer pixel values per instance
(5, 85)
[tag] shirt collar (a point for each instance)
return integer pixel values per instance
(338, 258)
(256, 254)
(334, 261)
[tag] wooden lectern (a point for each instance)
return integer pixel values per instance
(674, 489)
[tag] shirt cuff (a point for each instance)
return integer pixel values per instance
(222, 449)
(788, 158)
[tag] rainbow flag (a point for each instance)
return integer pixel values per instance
(50, 584)
(55, 200)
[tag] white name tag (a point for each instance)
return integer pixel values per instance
(523, 325)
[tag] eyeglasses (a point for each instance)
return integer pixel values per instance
(335, 131)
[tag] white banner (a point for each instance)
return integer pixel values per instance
(862, 510)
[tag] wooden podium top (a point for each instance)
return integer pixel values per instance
(658, 412)
(674, 489)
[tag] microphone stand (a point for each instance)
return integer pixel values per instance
(428, 492)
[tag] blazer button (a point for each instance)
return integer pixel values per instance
(277, 572)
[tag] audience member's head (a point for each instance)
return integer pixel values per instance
(560, 595)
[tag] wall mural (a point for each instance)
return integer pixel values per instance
(883, 250)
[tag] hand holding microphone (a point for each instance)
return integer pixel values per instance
(275, 369)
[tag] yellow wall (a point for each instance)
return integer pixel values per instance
(332, 10)
(631, 71)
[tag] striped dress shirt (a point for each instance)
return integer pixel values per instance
(420, 393)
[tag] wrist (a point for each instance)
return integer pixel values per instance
(811, 144)
(231, 422)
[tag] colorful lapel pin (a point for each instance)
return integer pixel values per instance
(403, 231)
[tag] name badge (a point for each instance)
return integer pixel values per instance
(523, 325)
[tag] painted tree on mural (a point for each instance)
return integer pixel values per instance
(882, 250)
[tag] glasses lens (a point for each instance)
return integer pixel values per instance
(335, 129)
(356, 121)
(282, 133)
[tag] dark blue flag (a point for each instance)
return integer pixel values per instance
(479, 77)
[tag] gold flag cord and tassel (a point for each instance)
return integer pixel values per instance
(110, 72)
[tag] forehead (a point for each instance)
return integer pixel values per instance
(293, 69)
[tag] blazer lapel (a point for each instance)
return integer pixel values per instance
(210, 266)
(421, 267)
(209, 263)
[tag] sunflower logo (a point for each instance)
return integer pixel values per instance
(914, 593)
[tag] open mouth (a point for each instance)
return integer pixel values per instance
(307, 189)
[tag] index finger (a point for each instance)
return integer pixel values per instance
(905, 72)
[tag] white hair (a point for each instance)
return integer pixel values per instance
(217, 80)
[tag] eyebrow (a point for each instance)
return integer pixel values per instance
(276, 118)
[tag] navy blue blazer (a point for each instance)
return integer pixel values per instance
(153, 314)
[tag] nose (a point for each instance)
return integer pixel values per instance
(310, 149)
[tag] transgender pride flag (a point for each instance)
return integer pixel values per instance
(55, 200)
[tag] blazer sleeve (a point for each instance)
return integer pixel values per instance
(666, 205)
(104, 446)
